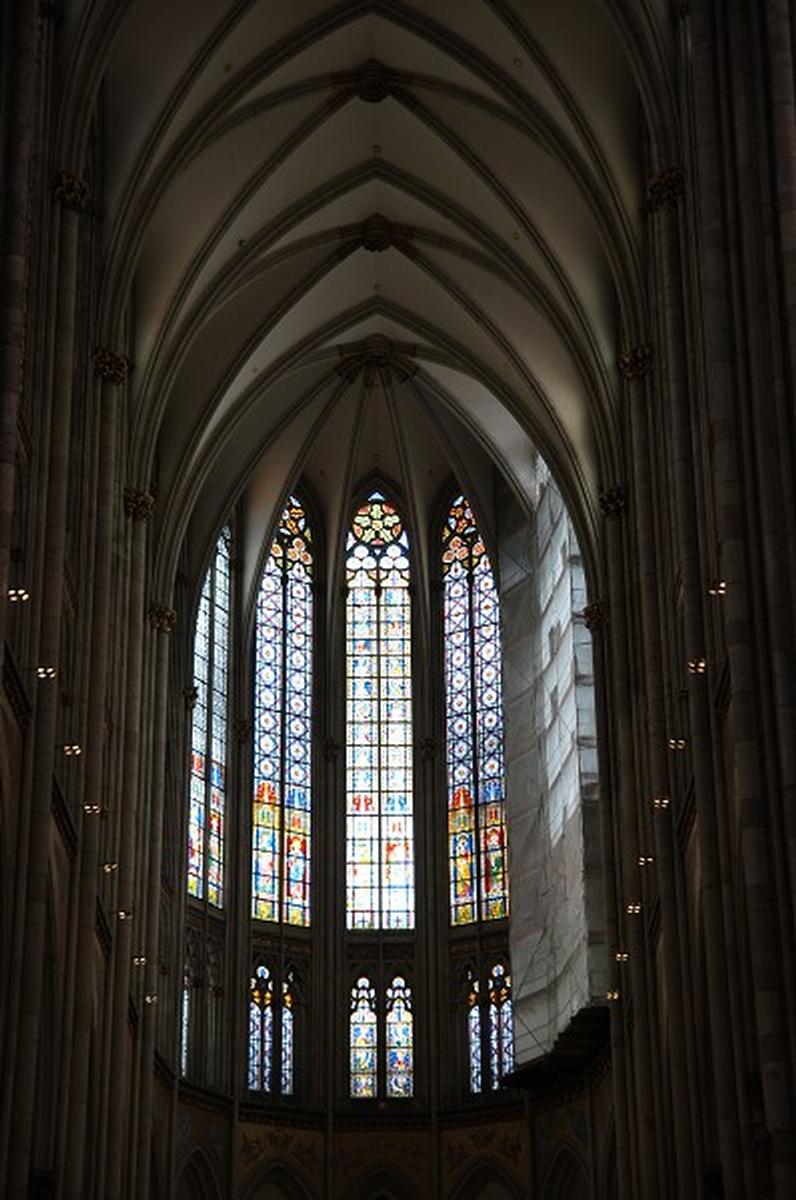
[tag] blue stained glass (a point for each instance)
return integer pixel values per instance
(474, 724)
(283, 709)
(205, 876)
(474, 1036)
(261, 1030)
(363, 1041)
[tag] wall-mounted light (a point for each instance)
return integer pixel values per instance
(73, 749)
(46, 672)
(612, 995)
(661, 801)
(93, 809)
(110, 867)
(18, 595)
(676, 743)
(633, 908)
(645, 860)
(125, 914)
(697, 666)
(139, 960)
(150, 998)
(717, 587)
(621, 956)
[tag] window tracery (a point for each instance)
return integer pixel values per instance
(474, 724)
(207, 796)
(373, 1025)
(379, 799)
(281, 826)
(490, 1029)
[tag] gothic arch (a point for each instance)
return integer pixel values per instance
(567, 1178)
(276, 1182)
(198, 1179)
(487, 1180)
(380, 1184)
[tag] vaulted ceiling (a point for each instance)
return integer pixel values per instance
(384, 236)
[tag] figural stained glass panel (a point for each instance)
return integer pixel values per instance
(363, 1042)
(399, 1040)
(500, 1025)
(282, 726)
(474, 724)
(206, 800)
(379, 827)
(261, 1030)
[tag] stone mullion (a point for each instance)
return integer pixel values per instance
(721, 369)
(18, 136)
(139, 507)
(95, 786)
(37, 862)
(658, 798)
(626, 787)
(162, 620)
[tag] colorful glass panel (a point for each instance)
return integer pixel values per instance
(287, 1049)
(380, 835)
(501, 1025)
(207, 792)
(363, 1040)
(399, 1040)
(261, 1030)
(185, 1025)
(282, 726)
(474, 724)
(474, 1035)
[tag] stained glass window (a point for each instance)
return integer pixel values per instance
(261, 1030)
(379, 845)
(474, 724)
(282, 726)
(501, 1025)
(399, 1040)
(364, 1040)
(287, 1049)
(209, 732)
(474, 1033)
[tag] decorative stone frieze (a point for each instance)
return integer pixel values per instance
(111, 367)
(665, 188)
(72, 192)
(162, 618)
(636, 363)
(138, 505)
(613, 500)
(596, 616)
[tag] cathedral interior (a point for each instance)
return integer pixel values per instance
(397, 595)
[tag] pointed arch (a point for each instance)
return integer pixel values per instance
(567, 1178)
(277, 1182)
(473, 723)
(281, 817)
(198, 1179)
(379, 785)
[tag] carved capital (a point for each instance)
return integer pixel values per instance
(665, 188)
(111, 367)
(190, 695)
(162, 619)
(613, 500)
(72, 192)
(636, 363)
(138, 505)
(372, 83)
(596, 616)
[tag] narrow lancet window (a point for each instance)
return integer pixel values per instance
(399, 1040)
(209, 732)
(501, 1025)
(261, 1030)
(380, 850)
(474, 724)
(363, 1040)
(282, 726)
(474, 1033)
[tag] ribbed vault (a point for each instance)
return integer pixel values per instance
(456, 185)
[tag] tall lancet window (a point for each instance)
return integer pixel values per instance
(282, 726)
(209, 732)
(474, 724)
(380, 850)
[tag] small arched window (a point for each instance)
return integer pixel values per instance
(474, 724)
(272, 1016)
(281, 825)
(209, 731)
(379, 833)
(399, 1039)
(363, 1040)
(490, 1029)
